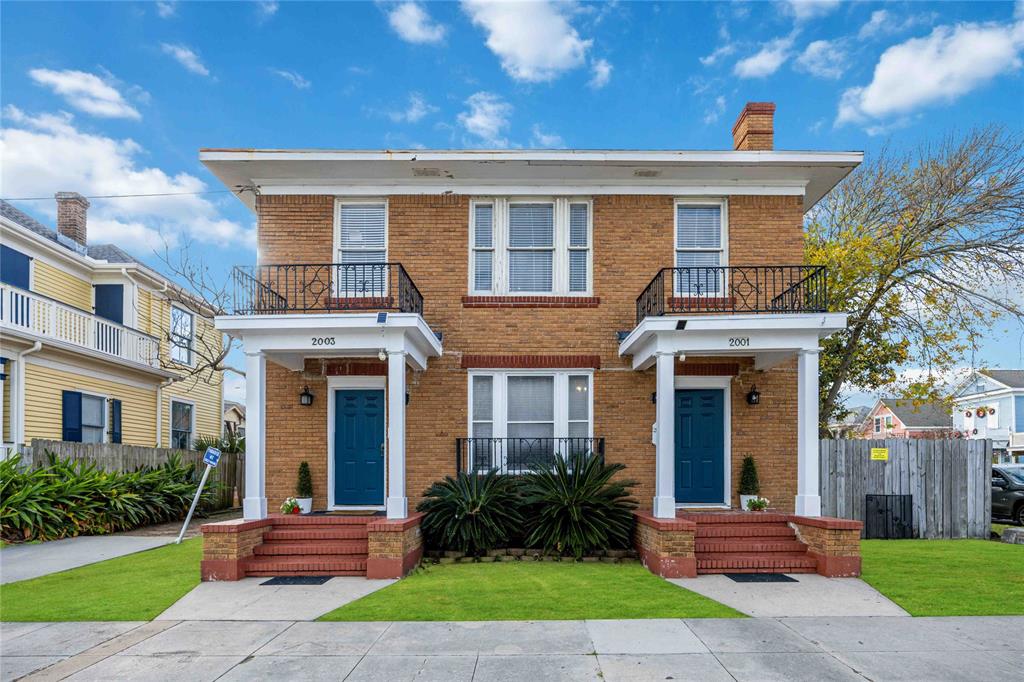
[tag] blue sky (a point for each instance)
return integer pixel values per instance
(117, 98)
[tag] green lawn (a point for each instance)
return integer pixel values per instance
(531, 590)
(134, 587)
(947, 577)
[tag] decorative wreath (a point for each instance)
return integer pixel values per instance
(975, 432)
(991, 410)
(981, 412)
(968, 413)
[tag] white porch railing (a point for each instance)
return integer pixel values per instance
(1017, 440)
(45, 317)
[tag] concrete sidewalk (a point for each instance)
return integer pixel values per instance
(22, 562)
(850, 648)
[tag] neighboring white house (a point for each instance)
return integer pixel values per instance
(990, 404)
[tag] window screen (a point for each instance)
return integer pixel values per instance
(579, 246)
(362, 252)
(483, 247)
(698, 250)
(93, 422)
(531, 242)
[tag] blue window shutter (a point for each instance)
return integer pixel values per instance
(115, 421)
(110, 302)
(14, 267)
(71, 410)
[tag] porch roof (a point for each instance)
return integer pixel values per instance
(769, 338)
(289, 339)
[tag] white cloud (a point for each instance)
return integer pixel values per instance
(47, 153)
(167, 8)
(940, 67)
(883, 22)
(602, 73)
(534, 40)
(293, 77)
(720, 52)
(86, 92)
(412, 23)
(715, 111)
(765, 61)
(803, 10)
(823, 58)
(417, 109)
(185, 56)
(265, 9)
(542, 139)
(487, 118)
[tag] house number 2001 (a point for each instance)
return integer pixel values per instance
(323, 340)
(739, 341)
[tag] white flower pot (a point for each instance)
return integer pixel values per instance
(743, 501)
(305, 504)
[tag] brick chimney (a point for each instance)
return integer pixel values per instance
(754, 130)
(71, 215)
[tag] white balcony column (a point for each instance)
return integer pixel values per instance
(808, 494)
(665, 437)
(254, 506)
(397, 502)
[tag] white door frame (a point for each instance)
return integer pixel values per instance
(353, 382)
(723, 383)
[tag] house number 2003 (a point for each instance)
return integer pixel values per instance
(323, 340)
(739, 341)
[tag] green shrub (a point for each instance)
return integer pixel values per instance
(574, 507)
(230, 444)
(66, 498)
(749, 485)
(304, 486)
(470, 513)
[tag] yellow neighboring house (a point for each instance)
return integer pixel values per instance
(93, 341)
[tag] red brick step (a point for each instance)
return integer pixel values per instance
(757, 546)
(305, 564)
(744, 530)
(343, 547)
(332, 533)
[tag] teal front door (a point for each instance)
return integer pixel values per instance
(700, 446)
(358, 447)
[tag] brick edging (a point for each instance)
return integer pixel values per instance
(827, 522)
(530, 301)
(656, 523)
(394, 525)
(234, 526)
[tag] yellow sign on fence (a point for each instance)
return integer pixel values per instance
(879, 454)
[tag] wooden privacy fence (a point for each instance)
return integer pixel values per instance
(950, 481)
(229, 473)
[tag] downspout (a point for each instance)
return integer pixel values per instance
(18, 426)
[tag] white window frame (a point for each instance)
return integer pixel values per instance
(878, 424)
(723, 204)
(373, 383)
(723, 383)
(499, 398)
(191, 347)
(170, 421)
(501, 249)
(105, 417)
(366, 201)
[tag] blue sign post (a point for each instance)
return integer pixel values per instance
(211, 458)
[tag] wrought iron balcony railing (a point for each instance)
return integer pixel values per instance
(735, 289)
(324, 288)
(518, 455)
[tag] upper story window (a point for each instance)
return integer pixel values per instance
(182, 335)
(15, 267)
(530, 246)
(700, 246)
(361, 238)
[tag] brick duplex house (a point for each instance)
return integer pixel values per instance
(418, 313)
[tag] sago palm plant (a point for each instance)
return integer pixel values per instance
(470, 513)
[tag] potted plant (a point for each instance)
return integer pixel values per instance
(304, 489)
(290, 506)
(750, 487)
(757, 504)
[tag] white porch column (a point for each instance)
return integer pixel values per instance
(808, 495)
(665, 440)
(254, 506)
(397, 503)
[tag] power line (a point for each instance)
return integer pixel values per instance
(128, 196)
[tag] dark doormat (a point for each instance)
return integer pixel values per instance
(760, 578)
(298, 580)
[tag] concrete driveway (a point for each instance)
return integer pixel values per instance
(22, 562)
(850, 648)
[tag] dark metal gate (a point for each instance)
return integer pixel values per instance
(889, 517)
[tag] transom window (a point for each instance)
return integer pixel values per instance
(700, 247)
(519, 419)
(530, 246)
(182, 335)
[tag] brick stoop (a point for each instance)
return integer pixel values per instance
(312, 545)
(748, 542)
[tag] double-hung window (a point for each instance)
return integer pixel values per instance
(524, 419)
(530, 246)
(182, 335)
(362, 248)
(86, 418)
(700, 248)
(181, 425)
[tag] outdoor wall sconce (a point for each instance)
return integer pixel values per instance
(754, 396)
(382, 355)
(305, 398)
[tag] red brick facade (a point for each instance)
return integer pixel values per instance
(632, 239)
